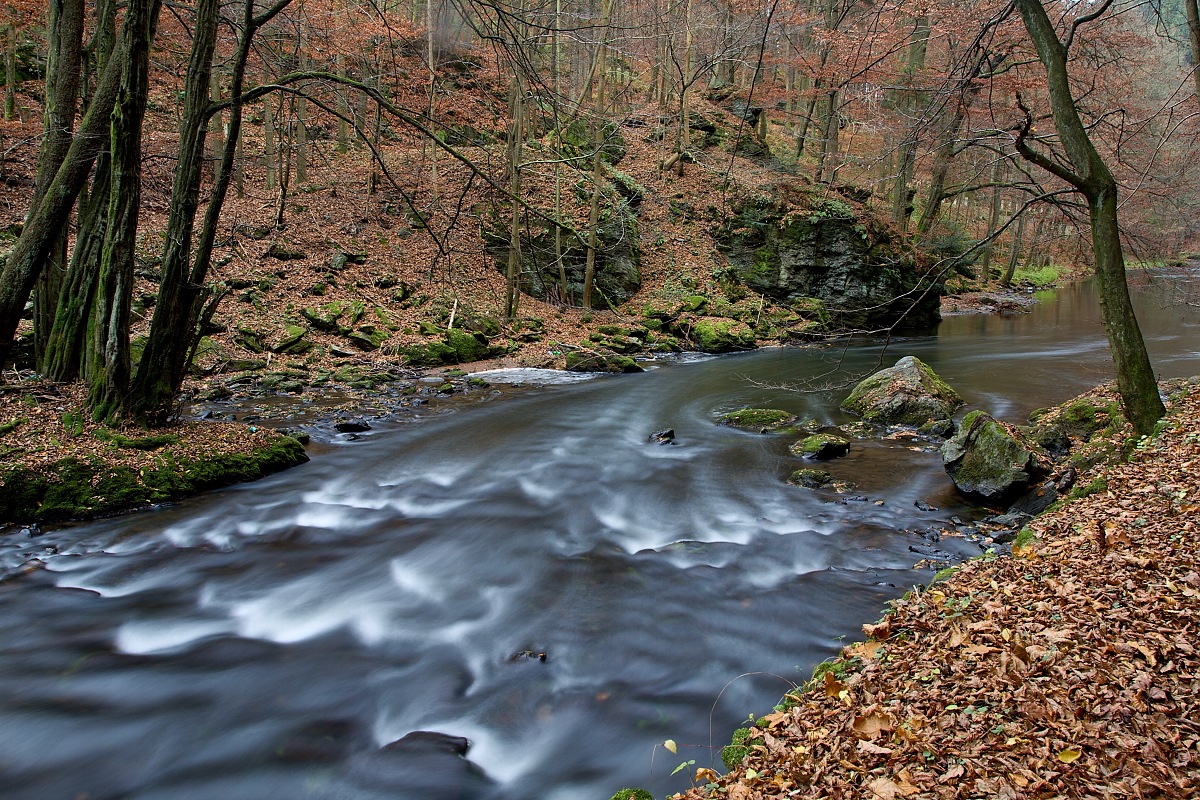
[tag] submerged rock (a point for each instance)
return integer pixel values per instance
(909, 393)
(991, 460)
(662, 437)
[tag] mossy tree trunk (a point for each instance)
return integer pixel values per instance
(108, 390)
(63, 71)
(64, 354)
(1091, 178)
(47, 220)
(175, 324)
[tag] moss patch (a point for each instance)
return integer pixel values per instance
(758, 418)
(75, 488)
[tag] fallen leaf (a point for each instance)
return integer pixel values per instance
(833, 687)
(868, 747)
(1069, 755)
(869, 726)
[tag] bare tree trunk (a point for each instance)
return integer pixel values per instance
(516, 137)
(1193, 23)
(10, 71)
(1091, 177)
(1014, 253)
(993, 219)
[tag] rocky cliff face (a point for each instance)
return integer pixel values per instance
(865, 278)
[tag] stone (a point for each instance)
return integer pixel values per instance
(367, 337)
(325, 317)
(591, 361)
(909, 393)
(992, 461)
(352, 426)
(292, 341)
(662, 437)
(810, 478)
(758, 419)
(821, 447)
(720, 335)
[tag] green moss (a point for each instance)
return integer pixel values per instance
(718, 335)
(141, 443)
(821, 446)
(1024, 539)
(632, 794)
(738, 748)
(943, 574)
(75, 488)
(758, 418)
(8, 427)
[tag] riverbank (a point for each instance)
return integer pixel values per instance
(1069, 670)
(59, 465)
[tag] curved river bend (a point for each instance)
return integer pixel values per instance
(271, 640)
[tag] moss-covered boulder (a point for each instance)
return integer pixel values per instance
(368, 337)
(593, 361)
(292, 341)
(909, 393)
(991, 460)
(81, 488)
(720, 335)
(821, 447)
(758, 419)
(455, 347)
(325, 317)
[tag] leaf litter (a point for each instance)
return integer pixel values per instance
(1067, 671)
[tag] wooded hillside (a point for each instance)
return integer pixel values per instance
(224, 186)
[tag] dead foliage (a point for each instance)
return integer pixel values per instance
(1067, 671)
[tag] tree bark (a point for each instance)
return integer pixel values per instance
(45, 223)
(1193, 22)
(1089, 174)
(108, 391)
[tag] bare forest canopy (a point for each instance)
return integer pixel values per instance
(940, 120)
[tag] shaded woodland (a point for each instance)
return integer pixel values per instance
(148, 147)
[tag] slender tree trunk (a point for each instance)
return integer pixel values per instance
(1091, 177)
(516, 136)
(174, 326)
(63, 73)
(10, 72)
(108, 391)
(993, 220)
(270, 143)
(906, 156)
(45, 224)
(1014, 253)
(1193, 23)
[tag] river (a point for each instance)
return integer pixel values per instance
(273, 640)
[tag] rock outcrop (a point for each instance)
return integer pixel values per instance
(866, 279)
(909, 393)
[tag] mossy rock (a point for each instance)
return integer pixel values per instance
(759, 419)
(721, 335)
(325, 317)
(909, 393)
(80, 489)
(810, 478)
(456, 347)
(695, 303)
(991, 460)
(663, 310)
(250, 339)
(632, 794)
(821, 447)
(368, 337)
(589, 361)
(292, 341)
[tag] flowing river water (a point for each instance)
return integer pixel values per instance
(289, 638)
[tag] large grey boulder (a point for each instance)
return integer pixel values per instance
(909, 393)
(991, 460)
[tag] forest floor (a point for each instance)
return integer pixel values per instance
(1070, 670)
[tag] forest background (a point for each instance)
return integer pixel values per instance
(221, 186)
